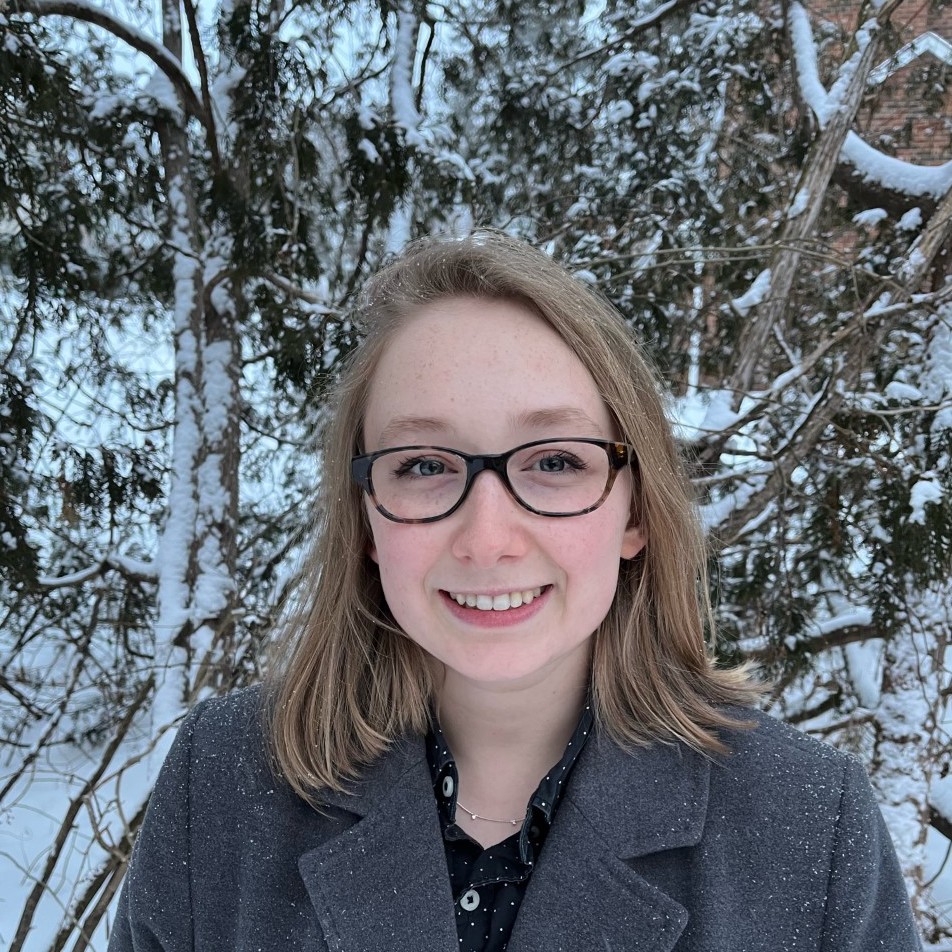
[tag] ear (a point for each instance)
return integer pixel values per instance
(633, 541)
(372, 551)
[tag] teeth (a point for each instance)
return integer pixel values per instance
(496, 603)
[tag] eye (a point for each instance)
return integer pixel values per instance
(560, 462)
(420, 466)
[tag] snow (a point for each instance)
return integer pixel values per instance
(925, 491)
(870, 217)
(136, 567)
(73, 578)
(906, 768)
(398, 232)
(402, 98)
(804, 54)
(911, 220)
(864, 662)
(367, 119)
(369, 150)
(163, 93)
(848, 618)
(871, 164)
(221, 90)
(619, 111)
(928, 42)
(897, 390)
(936, 379)
(217, 386)
(717, 511)
(754, 295)
(176, 537)
(719, 415)
(799, 204)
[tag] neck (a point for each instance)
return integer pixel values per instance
(505, 738)
(480, 723)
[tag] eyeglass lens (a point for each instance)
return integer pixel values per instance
(562, 478)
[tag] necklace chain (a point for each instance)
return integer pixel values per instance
(487, 819)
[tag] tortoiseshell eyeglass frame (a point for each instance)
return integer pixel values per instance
(619, 456)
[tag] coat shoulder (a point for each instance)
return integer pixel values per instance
(761, 734)
(774, 768)
(227, 735)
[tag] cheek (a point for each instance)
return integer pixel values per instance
(593, 557)
(401, 553)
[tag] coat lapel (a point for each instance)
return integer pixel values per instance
(383, 883)
(583, 896)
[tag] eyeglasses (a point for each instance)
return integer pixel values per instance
(548, 477)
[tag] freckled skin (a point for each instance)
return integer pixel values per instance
(474, 366)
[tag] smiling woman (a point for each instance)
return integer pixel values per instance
(502, 610)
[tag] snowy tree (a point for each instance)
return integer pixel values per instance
(190, 199)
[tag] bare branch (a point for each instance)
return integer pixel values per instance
(940, 822)
(199, 56)
(66, 827)
(309, 297)
(802, 214)
(847, 635)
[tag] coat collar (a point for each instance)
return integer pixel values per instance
(383, 884)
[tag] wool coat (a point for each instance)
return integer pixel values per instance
(777, 847)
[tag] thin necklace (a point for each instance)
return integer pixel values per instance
(487, 819)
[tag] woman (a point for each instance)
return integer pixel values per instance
(493, 721)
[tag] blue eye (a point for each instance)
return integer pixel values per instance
(560, 462)
(420, 466)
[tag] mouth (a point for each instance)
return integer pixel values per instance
(502, 602)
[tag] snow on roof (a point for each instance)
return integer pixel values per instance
(930, 42)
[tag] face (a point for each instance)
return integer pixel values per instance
(482, 377)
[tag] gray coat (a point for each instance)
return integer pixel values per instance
(779, 847)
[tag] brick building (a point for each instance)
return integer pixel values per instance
(908, 110)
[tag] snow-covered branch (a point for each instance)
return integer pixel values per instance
(803, 210)
(317, 303)
(402, 97)
(636, 27)
(905, 178)
(130, 568)
(163, 59)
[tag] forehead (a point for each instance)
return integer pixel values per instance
(483, 374)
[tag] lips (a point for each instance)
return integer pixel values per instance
(496, 603)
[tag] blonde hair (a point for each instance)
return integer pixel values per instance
(344, 682)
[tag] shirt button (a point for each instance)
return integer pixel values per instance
(448, 786)
(470, 900)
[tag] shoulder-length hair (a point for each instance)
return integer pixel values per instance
(344, 681)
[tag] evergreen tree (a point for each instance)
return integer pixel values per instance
(187, 212)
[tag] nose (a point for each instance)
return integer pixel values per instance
(488, 526)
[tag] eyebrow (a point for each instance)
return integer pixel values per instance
(554, 417)
(409, 427)
(402, 428)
